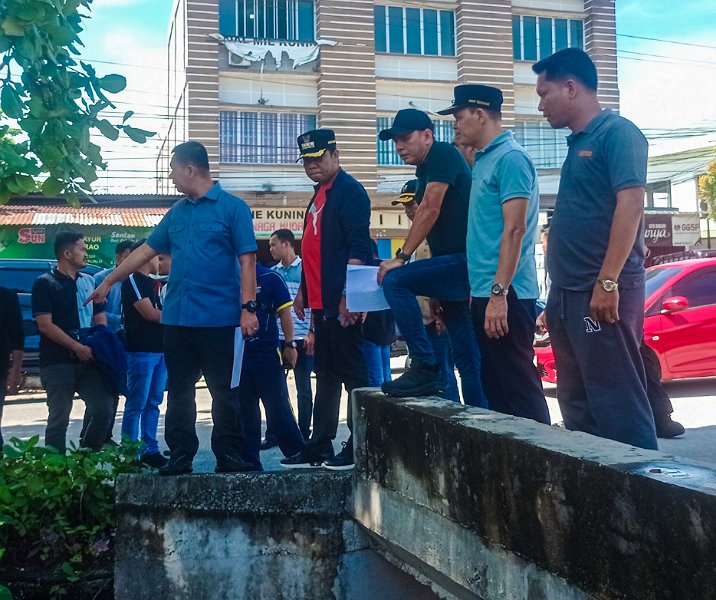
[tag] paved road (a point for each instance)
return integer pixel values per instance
(694, 403)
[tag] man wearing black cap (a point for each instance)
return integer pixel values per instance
(595, 306)
(336, 234)
(444, 193)
(501, 232)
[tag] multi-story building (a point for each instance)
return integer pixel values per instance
(247, 76)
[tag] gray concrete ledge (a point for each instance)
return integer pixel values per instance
(508, 508)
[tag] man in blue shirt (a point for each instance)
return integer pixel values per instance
(501, 230)
(290, 267)
(205, 233)
(262, 375)
(595, 308)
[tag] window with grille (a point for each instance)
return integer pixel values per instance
(387, 156)
(424, 31)
(267, 19)
(261, 137)
(547, 147)
(535, 38)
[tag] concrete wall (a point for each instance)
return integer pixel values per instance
(489, 506)
(271, 536)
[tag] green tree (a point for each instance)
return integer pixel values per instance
(55, 98)
(707, 190)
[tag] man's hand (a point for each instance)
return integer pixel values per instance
(496, 317)
(604, 305)
(249, 324)
(84, 353)
(386, 266)
(290, 356)
(541, 322)
(309, 343)
(346, 317)
(99, 296)
(299, 306)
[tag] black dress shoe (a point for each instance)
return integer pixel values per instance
(155, 460)
(668, 428)
(177, 465)
(230, 463)
(268, 442)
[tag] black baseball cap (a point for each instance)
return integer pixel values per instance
(474, 96)
(314, 143)
(407, 193)
(407, 121)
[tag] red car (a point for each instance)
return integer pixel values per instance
(679, 320)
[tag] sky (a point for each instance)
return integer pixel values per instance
(666, 88)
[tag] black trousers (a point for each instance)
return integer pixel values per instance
(659, 400)
(189, 352)
(509, 377)
(339, 361)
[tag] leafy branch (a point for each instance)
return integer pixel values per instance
(707, 190)
(56, 100)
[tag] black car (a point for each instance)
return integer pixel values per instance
(19, 274)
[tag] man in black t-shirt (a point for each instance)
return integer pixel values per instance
(66, 365)
(444, 181)
(146, 370)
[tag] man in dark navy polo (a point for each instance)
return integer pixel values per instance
(262, 374)
(336, 234)
(205, 233)
(595, 308)
(444, 194)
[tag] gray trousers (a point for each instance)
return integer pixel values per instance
(61, 381)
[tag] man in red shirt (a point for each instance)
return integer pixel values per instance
(336, 234)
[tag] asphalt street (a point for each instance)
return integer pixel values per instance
(694, 406)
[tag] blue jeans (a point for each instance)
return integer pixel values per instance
(146, 381)
(444, 278)
(377, 359)
(443, 353)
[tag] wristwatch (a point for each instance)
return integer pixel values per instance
(608, 285)
(403, 256)
(498, 290)
(292, 344)
(251, 306)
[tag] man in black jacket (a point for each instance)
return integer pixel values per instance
(12, 340)
(336, 234)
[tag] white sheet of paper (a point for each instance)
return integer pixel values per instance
(238, 357)
(363, 294)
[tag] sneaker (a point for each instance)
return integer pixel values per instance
(418, 380)
(309, 457)
(343, 461)
(154, 460)
(268, 442)
(669, 428)
(178, 464)
(230, 463)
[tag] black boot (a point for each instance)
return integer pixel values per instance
(418, 380)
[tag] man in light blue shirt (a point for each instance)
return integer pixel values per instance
(211, 292)
(113, 307)
(501, 231)
(289, 266)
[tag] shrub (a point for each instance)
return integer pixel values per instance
(57, 510)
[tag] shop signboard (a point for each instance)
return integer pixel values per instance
(31, 241)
